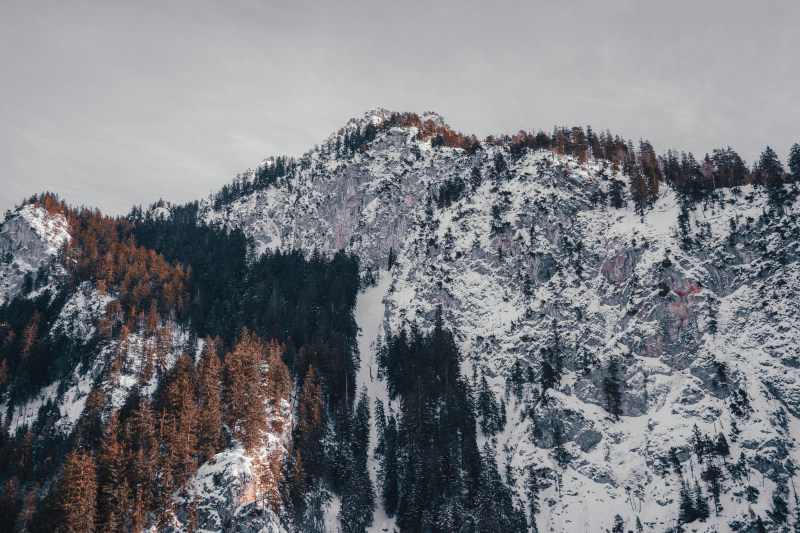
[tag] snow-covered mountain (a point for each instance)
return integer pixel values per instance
(675, 332)
(29, 241)
(695, 322)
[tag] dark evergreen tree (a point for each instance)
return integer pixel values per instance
(612, 388)
(496, 510)
(491, 414)
(686, 506)
(698, 443)
(712, 475)
(532, 491)
(769, 168)
(475, 178)
(559, 451)
(617, 200)
(729, 169)
(701, 510)
(780, 506)
(619, 525)
(380, 426)
(358, 499)
(721, 447)
(389, 469)
(361, 428)
(794, 161)
(517, 379)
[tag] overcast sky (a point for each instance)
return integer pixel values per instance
(112, 104)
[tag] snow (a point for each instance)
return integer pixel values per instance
(30, 239)
(369, 315)
(80, 313)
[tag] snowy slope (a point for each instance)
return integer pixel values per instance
(539, 243)
(369, 314)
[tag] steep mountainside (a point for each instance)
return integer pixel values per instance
(551, 333)
(527, 258)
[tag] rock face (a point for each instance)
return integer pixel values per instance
(528, 256)
(29, 241)
(227, 498)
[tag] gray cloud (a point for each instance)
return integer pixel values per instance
(118, 103)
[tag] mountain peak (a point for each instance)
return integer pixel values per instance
(380, 116)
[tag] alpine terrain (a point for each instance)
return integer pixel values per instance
(409, 329)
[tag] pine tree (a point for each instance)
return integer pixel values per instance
(209, 424)
(780, 507)
(769, 168)
(517, 378)
(112, 496)
(617, 201)
(794, 161)
(29, 336)
(686, 506)
(245, 393)
(27, 512)
(90, 427)
(361, 428)
(380, 426)
(389, 468)
(650, 169)
(701, 510)
(612, 388)
(532, 490)
(475, 178)
(310, 427)
(8, 505)
(140, 431)
(181, 415)
(268, 471)
(279, 380)
(619, 525)
(721, 447)
(77, 493)
(192, 522)
(560, 453)
(488, 409)
(698, 443)
(639, 191)
(358, 499)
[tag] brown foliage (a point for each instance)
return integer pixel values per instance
(103, 250)
(245, 391)
(77, 493)
(113, 495)
(30, 334)
(441, 135)
(210, 401)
